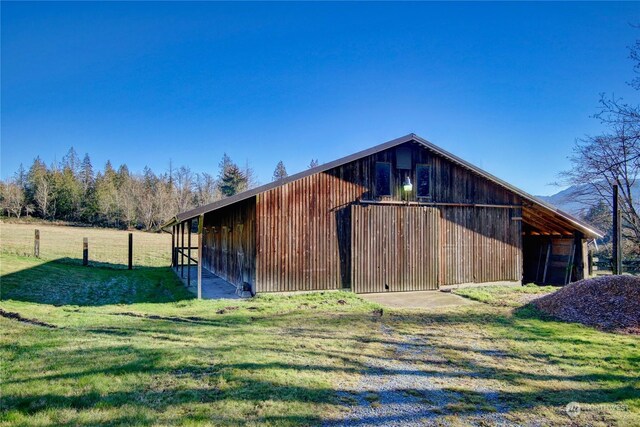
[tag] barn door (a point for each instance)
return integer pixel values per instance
(394, 248)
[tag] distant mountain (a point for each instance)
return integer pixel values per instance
(568, 200)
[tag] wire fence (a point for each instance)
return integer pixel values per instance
(106, 247)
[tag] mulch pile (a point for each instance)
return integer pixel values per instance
(611, 303)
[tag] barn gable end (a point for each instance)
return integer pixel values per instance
(401, 216)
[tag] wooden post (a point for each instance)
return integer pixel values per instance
(617, 234)
(173, 245)
(546, 262)
(85, 251)
(200, 232)
(182, 250)
(189, 253)
(36, 244)
(130, 251)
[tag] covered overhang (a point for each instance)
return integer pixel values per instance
(538, 219)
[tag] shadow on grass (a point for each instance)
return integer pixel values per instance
(66, 282)
(212, 381)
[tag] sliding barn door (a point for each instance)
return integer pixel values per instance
(394, 248)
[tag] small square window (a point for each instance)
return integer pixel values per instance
(403, 158)
(383, 179)
(423, 181)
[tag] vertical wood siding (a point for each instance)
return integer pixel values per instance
(480, 245)
(303, 233)
(395, 248)
(304, 240)
(229, 243)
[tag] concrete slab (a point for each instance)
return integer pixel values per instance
(419, 299)
(213, 287)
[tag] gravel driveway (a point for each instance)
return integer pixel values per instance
(413, 388)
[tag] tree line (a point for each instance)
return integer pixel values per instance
(71, 190)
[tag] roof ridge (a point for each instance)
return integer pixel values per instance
(190, 214)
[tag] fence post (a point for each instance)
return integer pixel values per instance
(617, 235)
(130, 251)
(85, 251)
(36, 244)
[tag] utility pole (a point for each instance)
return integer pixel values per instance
(617, 235)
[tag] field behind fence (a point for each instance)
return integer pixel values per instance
(106, 247)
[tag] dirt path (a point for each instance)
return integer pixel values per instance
(414, 388)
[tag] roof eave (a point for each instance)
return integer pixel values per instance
(412, 137)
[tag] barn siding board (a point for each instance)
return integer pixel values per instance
(314, 252)
(388, 240)
(305, 228)
(480, 245)
(229, 242)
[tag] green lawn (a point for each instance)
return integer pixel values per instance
(133, 348)
(505, 296)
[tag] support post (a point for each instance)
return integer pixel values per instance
(189, 253)
(182, 250)
(36, 244)
(173, 245)
(85, 251)
(546, 262)
(617, 234)
(130, 251)
(200, 231)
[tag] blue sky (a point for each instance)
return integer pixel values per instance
(507, 86)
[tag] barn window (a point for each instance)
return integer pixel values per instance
(403, 158)
(383, 179)
(423, 181)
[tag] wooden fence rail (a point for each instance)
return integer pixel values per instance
(607, 264)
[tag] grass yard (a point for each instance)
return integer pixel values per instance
(107, 247)
(505, 296)
(133, 348)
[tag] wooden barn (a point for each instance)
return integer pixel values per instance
(402, 216)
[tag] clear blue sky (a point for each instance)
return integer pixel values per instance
(506, 86)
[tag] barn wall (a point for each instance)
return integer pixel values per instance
(229, 242)
(395, 248)
(303, 228)
(303, 233)
(480, 245)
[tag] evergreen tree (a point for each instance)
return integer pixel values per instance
(233, 181)
(122, 176)
(224, 165)
(20, 177)
(67, 194)
(86, 174)
(280, 172)
(107, 196)
(71, 161)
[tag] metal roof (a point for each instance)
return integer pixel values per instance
(193, 213)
